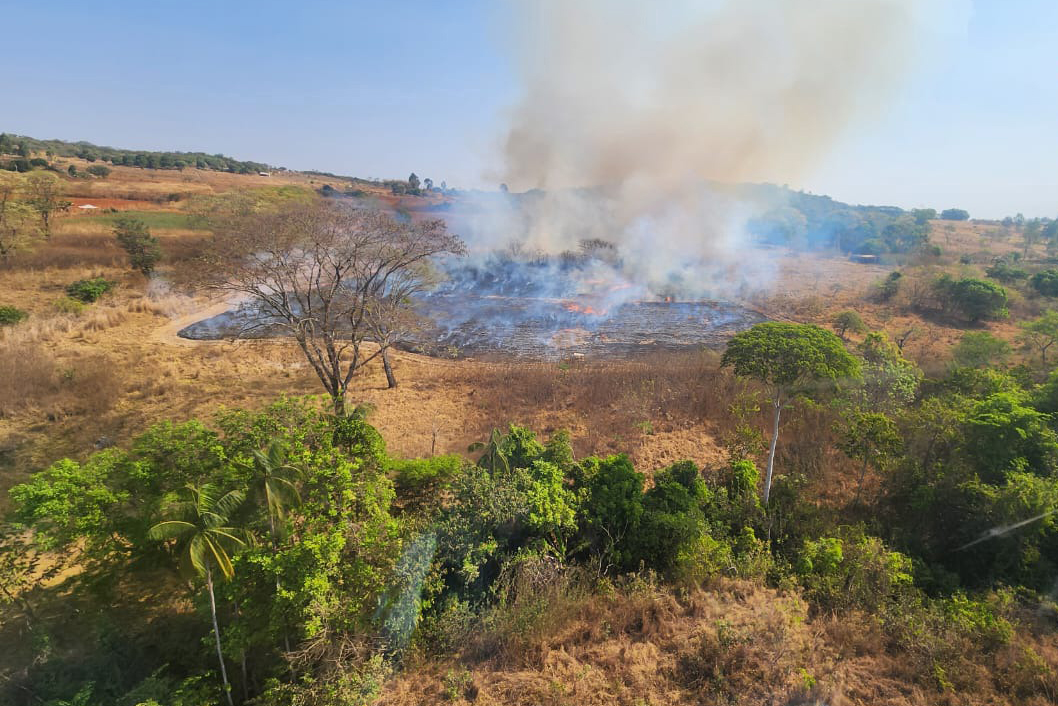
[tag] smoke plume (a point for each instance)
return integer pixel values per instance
(635, 114)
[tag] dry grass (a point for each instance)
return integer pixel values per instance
(33, 380)
(737, 643)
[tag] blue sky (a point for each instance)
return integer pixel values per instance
(378, 89)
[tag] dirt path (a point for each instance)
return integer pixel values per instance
(167, 333)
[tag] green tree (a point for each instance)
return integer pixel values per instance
(206, 544)
(849, 321)
(1002, 433)
(890, 381)
(869, 437)
(15, 215)
(979, 349)
(135, 238)
(972, 298)
(954, 214)
(923, 216)
(1041, 333)
(1045, 282)
(44, 196)
(1030, 235)
(790, 359)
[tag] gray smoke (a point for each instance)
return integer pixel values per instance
(636, 114)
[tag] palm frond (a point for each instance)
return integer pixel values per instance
(170, 529)
(226, 505)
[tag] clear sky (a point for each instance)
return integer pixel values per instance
(379, 89)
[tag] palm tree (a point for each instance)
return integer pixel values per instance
(275, 482)
(200, 526)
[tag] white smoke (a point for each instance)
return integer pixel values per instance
(635, 114)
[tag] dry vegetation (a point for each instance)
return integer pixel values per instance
(734, 643)
(72, 383)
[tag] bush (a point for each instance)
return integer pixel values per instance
(1045, 283)
(979, 349)
(99, 170)
(889, 287)
(954, 214)
(1004, 271)
(10, 315)
(848, 321)
(135, 238)
(67, 305)
(420, 482)
(89, 290)
(972, 298)
(852, 571)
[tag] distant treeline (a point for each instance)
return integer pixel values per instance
(819, 222)
(22, 147)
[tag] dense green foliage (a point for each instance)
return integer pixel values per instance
(287, 558)
(789, 356)
(818, 222)
(954, 214)
(11, 315)
(1045, 282)
(971, 298)
(135, 238)
(1004, 270)
(849, 322)
(89, 290)
(129, 158)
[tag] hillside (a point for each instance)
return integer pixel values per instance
(428, 558)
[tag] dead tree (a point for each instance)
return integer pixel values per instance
(336, 278)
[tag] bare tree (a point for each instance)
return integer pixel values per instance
(335, 277)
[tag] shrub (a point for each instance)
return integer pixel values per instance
(954, 214)
(420, 482)
(848, 321)
(136, 239)
(11, 315)
(889, 287)
(68, 305)
(99, 170)
(972, 298)
(89, 290)
(979, 349)
(852, 571)
(1005, 271)
(1045, 283)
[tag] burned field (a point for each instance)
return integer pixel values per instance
(491, 326)
(539, 310)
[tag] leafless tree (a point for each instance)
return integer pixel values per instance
(335, 277)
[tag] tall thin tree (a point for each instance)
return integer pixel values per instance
(206, 543)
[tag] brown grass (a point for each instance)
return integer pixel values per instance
(33, 380)
(737, 643)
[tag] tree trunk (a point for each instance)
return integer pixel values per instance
(339, 404)
(279, 586)
(771, 450)
(216, 634)
(391, 380)
(859, 486)
(242, 663)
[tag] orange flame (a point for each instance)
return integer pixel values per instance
(583, 309)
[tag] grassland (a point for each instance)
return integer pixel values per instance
(76, 381)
